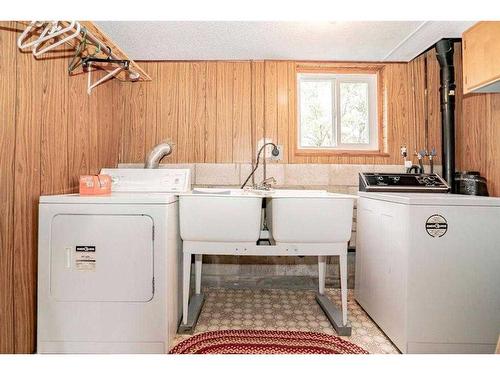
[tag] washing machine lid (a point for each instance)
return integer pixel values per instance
(113, 198)
(433, 199)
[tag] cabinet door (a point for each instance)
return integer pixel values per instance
(481, 57)
(101, 258)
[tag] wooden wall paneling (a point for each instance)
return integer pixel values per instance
(151, 96)
(224, 129)
(258, 104)
(168, 100)
(105, 129)
(185, 136)
(433, 104)
(197, 107)
(30, 80)
(79, 146)
(418, 100)
(384, 139)
(282, 108)
(242, 115)
(191, 124)
(271, 101)
(493, 146)
(473, 138)
(51, 116)
(118, 109)
(292, 109)
(211, 112)
(397, 111)
(8, 59)
(134, 119)
(408, 131)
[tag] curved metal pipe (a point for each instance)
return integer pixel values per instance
(156, 154)
(444, 54)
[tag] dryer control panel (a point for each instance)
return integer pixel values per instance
(149, 180)
(403, 182)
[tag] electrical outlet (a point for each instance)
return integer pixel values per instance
(279, 156)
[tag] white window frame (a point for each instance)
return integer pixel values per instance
(373, 129)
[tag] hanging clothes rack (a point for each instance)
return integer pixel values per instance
(106, 52)
(87, 64)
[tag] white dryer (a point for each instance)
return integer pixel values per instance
(109, 266)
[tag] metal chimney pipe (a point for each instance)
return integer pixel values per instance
(444, 54)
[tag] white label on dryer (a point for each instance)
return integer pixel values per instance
(85, 258)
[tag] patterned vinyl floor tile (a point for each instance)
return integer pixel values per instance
(290, 310)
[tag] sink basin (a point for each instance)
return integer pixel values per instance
(306, 216)
(220, 215)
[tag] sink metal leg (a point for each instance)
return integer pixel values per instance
(343, 286)
(197, 270)
(191, 308)
(338, 317)
(322, 273)
(186, 277)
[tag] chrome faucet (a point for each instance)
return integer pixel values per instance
(266, 184)
(157, 153)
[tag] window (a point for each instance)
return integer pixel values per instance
(337, 111)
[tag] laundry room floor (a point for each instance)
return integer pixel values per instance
(284, 309)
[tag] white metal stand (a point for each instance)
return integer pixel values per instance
(321, 250)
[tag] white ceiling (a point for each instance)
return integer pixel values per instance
(340, 41)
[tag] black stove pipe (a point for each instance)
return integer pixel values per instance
(444, 53)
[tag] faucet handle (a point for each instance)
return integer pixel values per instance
(267, 183)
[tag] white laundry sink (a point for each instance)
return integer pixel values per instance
(309, 216)
(220, 215)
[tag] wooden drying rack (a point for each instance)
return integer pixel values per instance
(108, 50)
(117, 52)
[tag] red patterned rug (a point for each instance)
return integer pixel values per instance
(265, 342)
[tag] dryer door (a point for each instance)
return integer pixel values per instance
(106, 258)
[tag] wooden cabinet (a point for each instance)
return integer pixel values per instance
(481, 57)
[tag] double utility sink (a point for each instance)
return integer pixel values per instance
(292, 216)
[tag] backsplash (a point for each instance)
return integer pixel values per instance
(332, 177)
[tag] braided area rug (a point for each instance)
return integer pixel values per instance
(265, 342)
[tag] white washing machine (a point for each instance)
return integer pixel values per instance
(109, 266)
(428, 270)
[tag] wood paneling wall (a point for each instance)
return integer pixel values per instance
(51, 131)
(478, 131)
(215, 112)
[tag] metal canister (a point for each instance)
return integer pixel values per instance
(470, 183)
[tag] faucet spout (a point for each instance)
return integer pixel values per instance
(156, 154)
(275, 151)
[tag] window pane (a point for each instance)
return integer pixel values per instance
(354, 122)
(316, 114)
